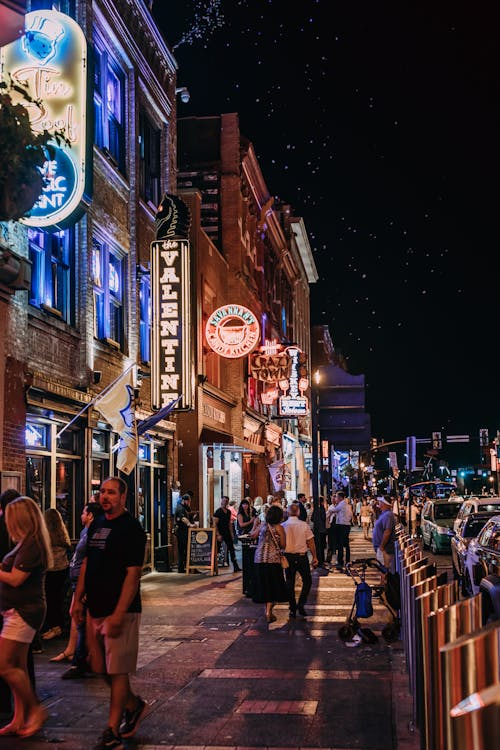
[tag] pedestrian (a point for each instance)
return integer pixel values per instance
(76, 648)
(359, 503)
(384, 534)
(342, 511)
(299, 542)
(301, 500)
(56, 580)
(109, 588)
(366, 518)
(22, 603)
(234, 517)
(270, 586)
(331, 531)
(6, 545)
(182, 524)
(224, 530)
(318, 518)
(244, 518)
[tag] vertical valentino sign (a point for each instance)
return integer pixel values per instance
(171, 349)
(50, 62)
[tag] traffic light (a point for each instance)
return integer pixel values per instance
(411, 453)
(484, 437)
(437, 442)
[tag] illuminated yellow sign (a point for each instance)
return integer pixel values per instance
(50, 62)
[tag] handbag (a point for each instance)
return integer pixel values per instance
(283, 560)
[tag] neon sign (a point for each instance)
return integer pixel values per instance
(50, 61)
(294, 404)
(171, 324)
(232, 331)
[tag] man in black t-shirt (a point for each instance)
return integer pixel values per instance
(109, 585)
(224, 530)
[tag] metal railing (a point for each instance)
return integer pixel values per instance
(453, 660)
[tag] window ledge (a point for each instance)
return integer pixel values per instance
(112, 342)
(51, 310)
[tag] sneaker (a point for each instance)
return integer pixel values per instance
(236, 569)
(109, 741)
(132, 719)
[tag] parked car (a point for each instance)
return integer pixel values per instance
(475, 504)
(437, 524)
(482, 568)
(468, 529)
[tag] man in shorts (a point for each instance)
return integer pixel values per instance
(109, 587)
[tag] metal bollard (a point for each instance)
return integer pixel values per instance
(424, 587)
(443, 596)
(475, 721)
(467, 665)
(406, 571)
(417, 576)
(445, 625)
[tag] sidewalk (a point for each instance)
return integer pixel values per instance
(217, 676)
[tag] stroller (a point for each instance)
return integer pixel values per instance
(352, 633)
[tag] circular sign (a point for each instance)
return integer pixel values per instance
(201, 537)
(232, 331)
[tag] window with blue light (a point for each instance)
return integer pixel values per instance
(145, 317)
(52, 258)
(149, 160)
(108, 284)
(109, 106)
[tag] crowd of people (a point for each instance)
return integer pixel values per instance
(92, 594)
(295, 536)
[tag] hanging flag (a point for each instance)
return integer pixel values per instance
(146, 424)
(118, 409)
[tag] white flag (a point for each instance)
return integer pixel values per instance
(117, 408)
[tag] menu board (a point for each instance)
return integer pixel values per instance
(201, 551)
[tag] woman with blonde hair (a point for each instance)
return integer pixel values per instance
(57, 576)
(22, 603)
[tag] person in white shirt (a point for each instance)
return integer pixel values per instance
(343, 515)
(299, 542)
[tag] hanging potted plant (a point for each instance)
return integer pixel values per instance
(23, 153)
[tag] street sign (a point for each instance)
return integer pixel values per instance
(457, 438)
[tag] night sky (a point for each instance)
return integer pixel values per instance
(379, 123)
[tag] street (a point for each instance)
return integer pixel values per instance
(215, 674)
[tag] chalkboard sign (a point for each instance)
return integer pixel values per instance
(201, 551)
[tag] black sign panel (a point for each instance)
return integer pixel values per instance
(201, 554)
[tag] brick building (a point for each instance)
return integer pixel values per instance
(249, 251)
(76, 313)
(76, 294)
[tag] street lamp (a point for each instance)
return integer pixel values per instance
(316, 380)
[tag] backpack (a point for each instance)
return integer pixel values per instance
(363, 600)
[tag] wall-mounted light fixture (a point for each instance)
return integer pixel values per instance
(184, 92)
(96, 376)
